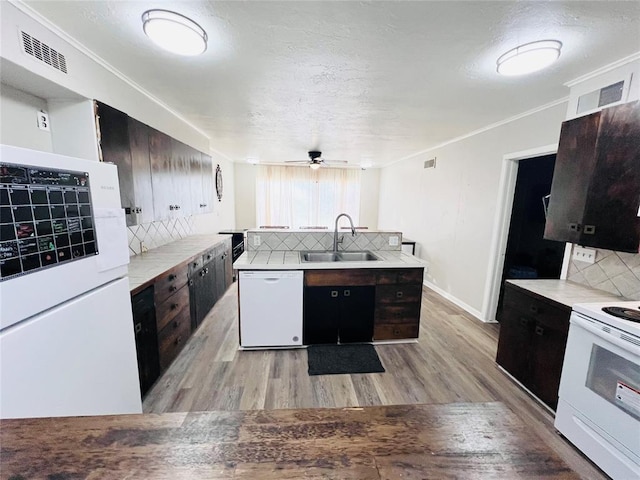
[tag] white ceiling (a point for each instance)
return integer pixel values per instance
(375, 81)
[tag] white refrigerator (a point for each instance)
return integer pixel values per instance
(67, 345)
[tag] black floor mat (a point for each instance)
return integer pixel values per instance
(341, 359)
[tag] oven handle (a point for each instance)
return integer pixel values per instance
(582, 323)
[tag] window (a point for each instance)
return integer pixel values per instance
(298, 197)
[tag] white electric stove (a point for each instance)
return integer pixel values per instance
(599, 397)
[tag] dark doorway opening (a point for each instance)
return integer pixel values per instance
(528, 254)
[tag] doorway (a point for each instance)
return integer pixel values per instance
(528, 255)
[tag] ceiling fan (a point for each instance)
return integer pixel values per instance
(316, 161)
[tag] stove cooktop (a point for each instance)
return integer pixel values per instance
(614, 314)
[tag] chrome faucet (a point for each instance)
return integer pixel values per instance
(337, 240)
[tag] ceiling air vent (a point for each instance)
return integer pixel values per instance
(430, 163)
(43, 52)
(600, 98)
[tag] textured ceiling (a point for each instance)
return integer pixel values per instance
(374, 81)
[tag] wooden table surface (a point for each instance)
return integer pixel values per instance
(446, 441)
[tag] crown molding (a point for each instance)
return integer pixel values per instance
(30, 12)
(607, 68)
(482, 130)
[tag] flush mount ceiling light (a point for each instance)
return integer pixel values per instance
(314, 166)
(174, 32)
(529, 57)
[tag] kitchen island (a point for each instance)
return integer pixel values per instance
(462, 440)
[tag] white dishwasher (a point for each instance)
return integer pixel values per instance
(271, 308)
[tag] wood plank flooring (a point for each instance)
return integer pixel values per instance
(451, 441)
(452, 362)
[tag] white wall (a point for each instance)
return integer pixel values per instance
(69, 96)
(245, 196)
(18, 126)
(450, 210)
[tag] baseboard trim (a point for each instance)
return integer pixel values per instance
(476, 313)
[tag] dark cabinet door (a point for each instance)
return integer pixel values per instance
(146, 335)
(611, 215)
(228, 268)
(514, 344)
(161, 172)
(181, 155)
(321, 315)
(338, 314)
(207, 183)
(547, 355)
(575, 163)
(115, 148)
(220, 276)
(141, 172)
(357, 312)
(203, 293)
(595, 194)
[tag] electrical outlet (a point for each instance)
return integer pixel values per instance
(586, 255)
(256, 240)
(393, 241)
(43, 121)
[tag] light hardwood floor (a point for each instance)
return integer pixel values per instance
(453, 361)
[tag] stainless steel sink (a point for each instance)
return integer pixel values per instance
(319, 257)
(365, 256)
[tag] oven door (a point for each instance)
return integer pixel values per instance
(601, 380)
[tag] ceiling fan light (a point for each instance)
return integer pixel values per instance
(314, 166)
(174, 32)
(529, 57)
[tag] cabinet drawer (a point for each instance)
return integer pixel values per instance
(168, 309)
(330, 278)
(194, 265)
(405, 275)
(173, 337)
(170, 282)
(536, 309)
(395, 332)
(402, 313)
(401, 293)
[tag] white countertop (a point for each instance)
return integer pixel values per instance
(148, 265)
(566, 292)
(290, 260)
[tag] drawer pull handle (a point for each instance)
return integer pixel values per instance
(172, 277)
(173, 288)
(177, 340)
(138, 327)
(534, 309)
(523, 321)
(195, 264)
(334, 294)
(174, 306)
(347, 293)
(175, 324)
(396, 332)
(539, 330)
(208, 257)
(399, 294)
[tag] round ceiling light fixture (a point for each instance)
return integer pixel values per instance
(174, 32)
(314, 166)
(529, 57)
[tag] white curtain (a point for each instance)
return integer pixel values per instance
(299, 196)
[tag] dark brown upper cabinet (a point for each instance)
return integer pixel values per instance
(160, 177)
(595, 194)
(125, 142)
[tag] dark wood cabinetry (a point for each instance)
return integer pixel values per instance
(125, 143)
(172, 313)
(595, 195)
(144, 322)
(533, 336)
(397, 303)
(361, 305)
(160, 177)
(212, 275)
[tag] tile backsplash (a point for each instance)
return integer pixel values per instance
(155, 234)
(323, 240)
(614, 272)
